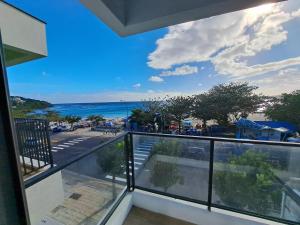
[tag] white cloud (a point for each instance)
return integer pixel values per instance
(156, 79)
(228, 41)
(288, 79)
(113, 96)
(180, 71)
(138, 85)
(200, 84)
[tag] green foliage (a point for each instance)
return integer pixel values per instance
(286, 108)
(18, 113)
(164, 175)
(179, 108)
(153, 111)
(225, 103)
(112, 162)
(20, 102)
(111, 159)
(21, 107)
(248, 182)
(141, 117)
(72, 119)
(154, 106)
(224, 100)
(203, 108)
(53, 116)
(96, 118)
(167, 147)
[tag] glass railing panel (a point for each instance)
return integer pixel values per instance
(257, 178)
(175, 166)
(83, 192)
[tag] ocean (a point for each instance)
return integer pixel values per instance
(107, 109)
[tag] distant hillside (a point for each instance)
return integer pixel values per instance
(22, 106)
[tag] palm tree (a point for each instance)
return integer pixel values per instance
(96, 119)
(72, 119)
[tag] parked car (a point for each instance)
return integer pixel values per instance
(32, 142)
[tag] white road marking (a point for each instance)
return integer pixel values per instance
(66, 143)
(143, 155)
(75, 142)
(141, 152)
(84, 138)
(66, 146)
(117, 178)
(53, 150)
(57, 148)
(136, 158)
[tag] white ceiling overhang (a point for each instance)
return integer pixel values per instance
(128, 17)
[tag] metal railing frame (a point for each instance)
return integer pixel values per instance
(36, 129)
(130, 175)
(212, 141)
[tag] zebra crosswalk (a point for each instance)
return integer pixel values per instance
(140, 155)
(68, 144)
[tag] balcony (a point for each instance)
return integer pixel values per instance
(34, 146)
(143, 178)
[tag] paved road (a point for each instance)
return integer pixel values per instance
(70, 147)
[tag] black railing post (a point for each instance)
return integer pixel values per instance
(132, 161)
(49, 144)
(127, 158)
(211, 170)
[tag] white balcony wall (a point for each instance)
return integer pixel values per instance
(23, 36)
(44, 197)
(191, 212)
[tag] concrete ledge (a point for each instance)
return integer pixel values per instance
(122, 211)
(44, 196)
(191, 212)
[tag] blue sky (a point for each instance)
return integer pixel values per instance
(87, 62)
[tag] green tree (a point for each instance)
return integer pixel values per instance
(285, 108)
(248, 182)
(96, 119)
(72, 119)
(111, 160)
(203, 108)
(156, 110)
(22, 107)
(52, 116)
(164, 175)
(234, 99)
(141, 117)
(167, 147)
(179, 108)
